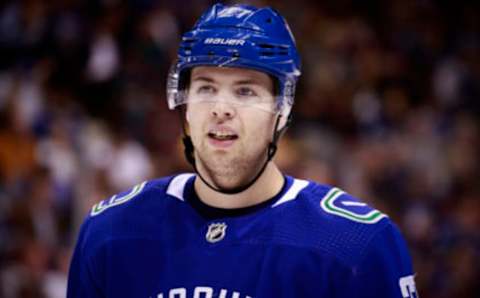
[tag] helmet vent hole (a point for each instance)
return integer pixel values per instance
(269, 20)
(266, 46)
(189, 40)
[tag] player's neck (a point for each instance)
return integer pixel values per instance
(267, 186)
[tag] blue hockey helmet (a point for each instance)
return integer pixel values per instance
(239, 36)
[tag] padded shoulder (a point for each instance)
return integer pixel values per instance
(327, 219)
(127, 214)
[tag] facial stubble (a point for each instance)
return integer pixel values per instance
(232, 169)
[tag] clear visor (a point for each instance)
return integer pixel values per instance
(243, 95)
(239, 101)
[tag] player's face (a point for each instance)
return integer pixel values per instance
(230, 121)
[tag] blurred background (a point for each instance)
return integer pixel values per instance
(387, 109)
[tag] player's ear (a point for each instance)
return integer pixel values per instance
(187, 114)
(285, 110)
(284, 119)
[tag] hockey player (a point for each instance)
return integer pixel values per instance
(237, 227)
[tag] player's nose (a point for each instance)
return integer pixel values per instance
(223, 109)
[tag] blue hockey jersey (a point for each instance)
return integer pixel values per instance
(159, 240)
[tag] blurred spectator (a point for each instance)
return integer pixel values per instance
(129, 163)
(17, 146)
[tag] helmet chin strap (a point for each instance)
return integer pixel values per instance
(271, 150)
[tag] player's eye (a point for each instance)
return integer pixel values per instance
(205, 89)
(246, 92)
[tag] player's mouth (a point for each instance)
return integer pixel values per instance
(222, 138)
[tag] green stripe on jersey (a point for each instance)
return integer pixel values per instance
(114, 200)
(327, 204)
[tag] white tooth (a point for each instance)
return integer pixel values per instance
(221, 134)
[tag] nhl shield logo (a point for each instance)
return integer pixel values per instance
(216, 232)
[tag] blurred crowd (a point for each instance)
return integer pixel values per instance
(387, 109)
